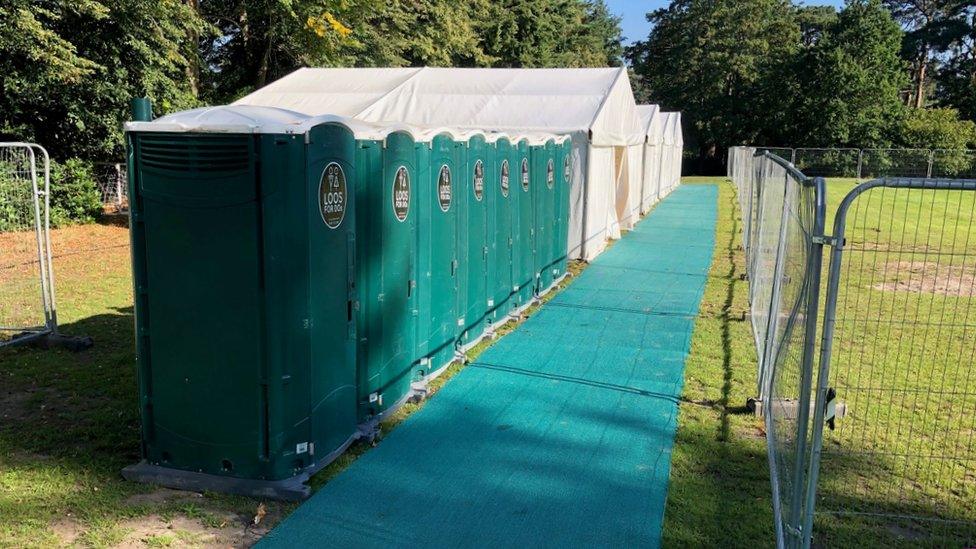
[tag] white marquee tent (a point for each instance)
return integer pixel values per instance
(595, 106)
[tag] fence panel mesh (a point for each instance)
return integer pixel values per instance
(783, 271)
(900, 466)
(877, 445)
(26, 295)
(828, 162)
(895, 163)
(947, 163)
(113, 186)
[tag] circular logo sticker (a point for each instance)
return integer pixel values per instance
(479, 180)
(332, 195)
(505, 178)
(401, 194)
(566, 172)
(444, 188)
(525, 174)
(550, 174)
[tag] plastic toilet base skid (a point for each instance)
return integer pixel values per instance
(290, 489)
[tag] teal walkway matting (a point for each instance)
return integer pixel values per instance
(560, 434)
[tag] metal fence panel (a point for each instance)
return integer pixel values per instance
(113, 185)
(948, 163)
(895, 163)
(893, 382)
(784, 273)
(897, 369)
(828, 162)
(26, 280)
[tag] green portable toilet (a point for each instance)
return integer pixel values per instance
(437, 251)
(247, 376)
(387, 275)
(500, 230)
(523, 283)
(471, 190)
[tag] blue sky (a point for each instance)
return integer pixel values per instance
(636, 27)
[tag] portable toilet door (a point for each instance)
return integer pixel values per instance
(500, 219)
(544, 193)
(438, 255)
(564, 184)
(524, 224)
(331, 183)
(471, 188)
(386, 259)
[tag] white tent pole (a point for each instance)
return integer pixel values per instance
(586, 187)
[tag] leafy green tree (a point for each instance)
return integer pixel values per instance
(957, 75)
(814, 23)
(722, 63)
(422, 32)
(259, 41)
(551, 33)
(936, 129)
(850, 82)
(925, 22)
(71, 66)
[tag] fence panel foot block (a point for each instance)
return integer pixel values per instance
(558, 435)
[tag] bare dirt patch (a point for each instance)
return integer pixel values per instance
(208, 526)
(68, 530)
(156, 531)
(927, 277)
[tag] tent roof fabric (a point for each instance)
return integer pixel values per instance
(672, 128)
(253, 119)
(651, 122)
(598, 101)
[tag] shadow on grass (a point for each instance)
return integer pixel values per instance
(78, 407)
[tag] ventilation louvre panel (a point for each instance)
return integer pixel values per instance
(218, 153)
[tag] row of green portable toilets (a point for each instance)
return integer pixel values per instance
(296, 279)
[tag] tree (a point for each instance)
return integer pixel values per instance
(936, 129)
(924, 21)
(957, 76)
(423, 33)
(552, 33)
(262, 40)
(851, 80)
(71, 67)
(258, 41)
(722, 64)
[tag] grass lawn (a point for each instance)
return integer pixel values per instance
(720, 493)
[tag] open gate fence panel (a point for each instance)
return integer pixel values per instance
(791, 341)
(26, 295)
(898, 457)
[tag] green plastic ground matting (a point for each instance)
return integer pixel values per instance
(560, 434)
